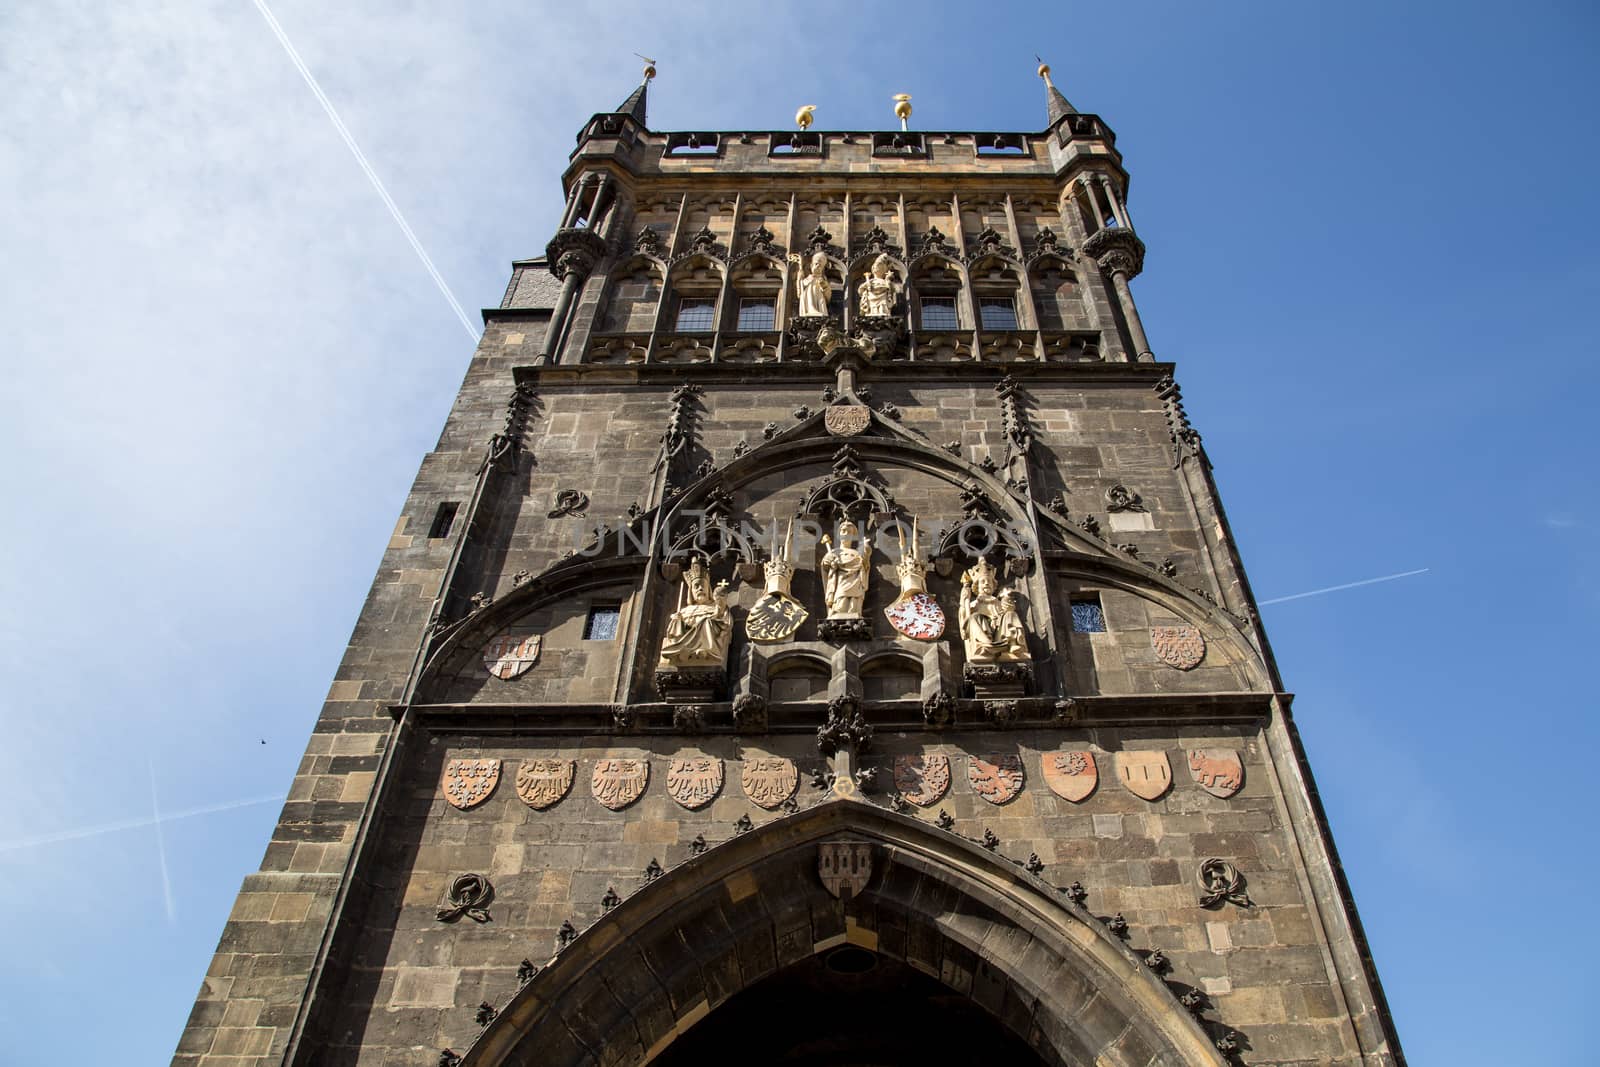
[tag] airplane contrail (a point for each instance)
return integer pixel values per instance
(1346, 585)
(361, 159)
(161, 846)
(130, 824)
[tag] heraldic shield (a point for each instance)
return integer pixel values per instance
(845, 867)
(616, 783)
(468, 782)
(542, 783)
(769, 780)
(997, 779)
(846, 420)
(1216, 770)
(775, 617)
(1146, 774)
(917, 616)
(1180, 647)
(694, 781)
(510, 653)
(1070, 775)
(923, 780)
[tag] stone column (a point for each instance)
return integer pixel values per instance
(1120, 254)
(572, 253)
(1086, 183)
(1118, 209)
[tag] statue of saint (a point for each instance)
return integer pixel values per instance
(877, 290)
(844, 572)
(698, 632)
(992, 629)
(811, 285)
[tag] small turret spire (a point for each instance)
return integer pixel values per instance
(634, 106)
(1059, 106)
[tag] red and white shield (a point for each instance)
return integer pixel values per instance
(845, 867)
(918, 616)
(510, 653)
(769, 780)
(1146, 774)
(541, 783)
(1070, 775)
(468, 782)
(923, 780)
(694, 781)
(616, 783)
(997, 779)
(1178, 646)
(1216, 770)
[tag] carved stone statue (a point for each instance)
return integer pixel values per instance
(845, 571)
(878, 290)
(811, 285)
(698, 632)
(991, 624)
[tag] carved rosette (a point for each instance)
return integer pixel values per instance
(575, 251)
(1117, 250)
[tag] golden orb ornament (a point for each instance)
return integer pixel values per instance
(802, 118)
(902, 108)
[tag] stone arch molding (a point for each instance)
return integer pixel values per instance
(721, 922)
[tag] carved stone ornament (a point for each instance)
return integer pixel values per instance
(846, 420)
(1180, 647)
(997, 779)
(769, 780)
(511, 653)
(1120, 498)
(694, 781)
(616, 783)
(876, 292)
(543, 783)
(469, 895)
(1216, 770)
(569, 502)
(468, 782)
(1146, 774)
(1070, 775)
(811, 286)
(923, 780)
(1221, 881)
(845, 867)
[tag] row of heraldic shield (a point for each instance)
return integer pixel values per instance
(770, 781)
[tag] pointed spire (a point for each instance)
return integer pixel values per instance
(1059, 106)
(634, 106)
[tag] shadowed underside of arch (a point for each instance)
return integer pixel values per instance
(644, 975)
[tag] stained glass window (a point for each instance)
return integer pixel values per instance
(602, 623)
(1087, 616)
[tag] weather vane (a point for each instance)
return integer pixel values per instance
(649, 67)
(802, 118)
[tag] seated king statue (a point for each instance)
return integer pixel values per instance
(699, 631)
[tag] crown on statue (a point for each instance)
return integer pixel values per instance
(777, 568)
(982, 570)
(910, 566)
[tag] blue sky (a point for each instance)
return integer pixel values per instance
(1371, 232)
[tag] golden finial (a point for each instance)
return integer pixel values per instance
(902, 108)
(802, 118)
(1044, 72)
(649, 67)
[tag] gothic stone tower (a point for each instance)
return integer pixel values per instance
(625, 764)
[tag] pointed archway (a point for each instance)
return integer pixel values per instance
(686, 945)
